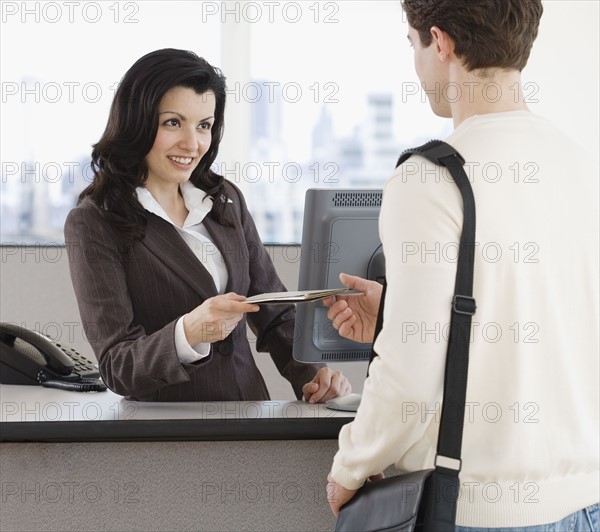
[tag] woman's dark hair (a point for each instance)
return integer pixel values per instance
(118, 159)
(486, 33)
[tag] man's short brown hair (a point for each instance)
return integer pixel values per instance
(486, 33)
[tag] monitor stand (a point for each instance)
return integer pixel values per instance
(347, 403)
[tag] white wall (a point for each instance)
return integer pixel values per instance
(564, 66)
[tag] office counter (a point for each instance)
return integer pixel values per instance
(77, 461)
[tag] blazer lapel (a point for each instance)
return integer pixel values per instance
(163, 240)
(230, 246)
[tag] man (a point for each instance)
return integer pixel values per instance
(530, 440)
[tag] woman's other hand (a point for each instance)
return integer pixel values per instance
(326, 385)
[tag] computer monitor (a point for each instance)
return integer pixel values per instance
(340, 234)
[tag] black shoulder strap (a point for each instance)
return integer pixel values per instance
(462, 305)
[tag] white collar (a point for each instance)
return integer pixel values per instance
(196, 201)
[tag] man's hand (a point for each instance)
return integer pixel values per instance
(337, 495)
(326, 385)
(354, 317)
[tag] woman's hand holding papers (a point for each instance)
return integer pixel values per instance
(216, 318)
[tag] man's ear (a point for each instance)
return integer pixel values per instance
(444, 44)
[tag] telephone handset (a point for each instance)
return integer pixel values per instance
(29, 357)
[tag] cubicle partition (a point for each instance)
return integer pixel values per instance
(77, 461)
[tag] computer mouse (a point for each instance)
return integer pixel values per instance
(347, 403)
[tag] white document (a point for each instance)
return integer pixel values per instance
(299, 297)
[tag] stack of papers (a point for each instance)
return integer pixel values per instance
(299, 297)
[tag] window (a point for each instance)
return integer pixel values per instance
(331, 76)
(61, 63)
(321, 94)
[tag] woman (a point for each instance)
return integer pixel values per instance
(163, 251)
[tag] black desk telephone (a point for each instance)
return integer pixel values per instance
(29, 357)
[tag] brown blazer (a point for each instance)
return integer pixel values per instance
(129, 304)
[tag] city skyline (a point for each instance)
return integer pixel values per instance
(363, 159)
(53, 113)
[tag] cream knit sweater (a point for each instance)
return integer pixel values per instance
(530, 448)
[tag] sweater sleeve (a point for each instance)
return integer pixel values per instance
(420, 224)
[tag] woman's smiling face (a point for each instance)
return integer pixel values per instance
(185, 120)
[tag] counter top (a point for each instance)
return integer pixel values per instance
(34, 413)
